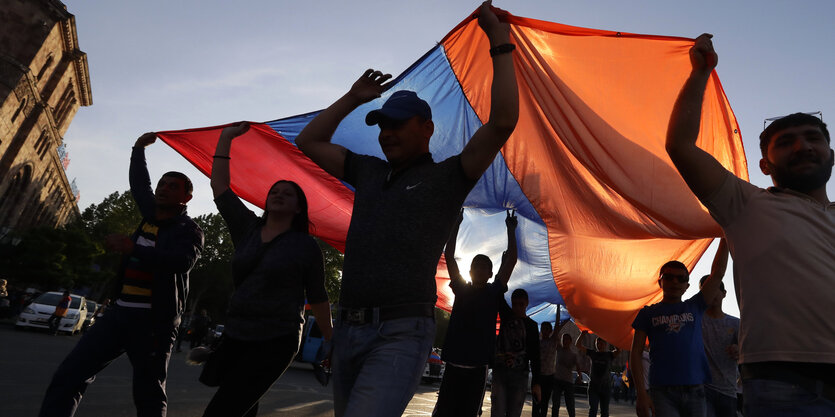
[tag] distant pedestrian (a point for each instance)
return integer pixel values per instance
(471, 335)
(549, 346)
(54, 321)
(600, 378)
(199, 328)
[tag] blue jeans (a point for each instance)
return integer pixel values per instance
(720, 405)
(377, 367)
(679, 400)
(510, 387)
(120, 330)
(766, 397)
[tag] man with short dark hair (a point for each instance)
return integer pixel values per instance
(720, 334)
(152, 291)
(600, 378)
(404, 209)
(471, 335)
(674, 329)
(517, 356)
(781, 239)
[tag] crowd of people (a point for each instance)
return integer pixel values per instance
(406, 212)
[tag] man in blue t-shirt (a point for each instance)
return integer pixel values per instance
(471, 335)
(677, 355)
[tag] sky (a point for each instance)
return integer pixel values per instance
(164, 65)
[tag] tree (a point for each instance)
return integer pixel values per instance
(211, 278)
(333, 270)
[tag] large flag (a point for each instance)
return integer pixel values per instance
(601, 206)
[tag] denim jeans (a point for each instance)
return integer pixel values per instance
(679, 401)
(120, 330)
(510, 387)
(377, 367)
(766, 397)
(720, 405)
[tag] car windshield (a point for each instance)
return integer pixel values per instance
(91, 305)
(52, 299)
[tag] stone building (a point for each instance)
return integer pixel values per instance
(43, 82)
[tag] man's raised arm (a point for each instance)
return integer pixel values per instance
(449, 252)
(701, 171)
(140, 181)
(510, 256)
(710, 288)
(315, 139)
(482, 148)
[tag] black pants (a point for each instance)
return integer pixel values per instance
(120, 330)
(552, 389)
(53, 322)
(248, 370)
(599, 394)
(565, 389)
(462, 391)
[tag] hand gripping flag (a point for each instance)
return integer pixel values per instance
(601, 206)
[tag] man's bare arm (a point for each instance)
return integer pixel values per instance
(511, 255)
(482, 148)
(449, 251)
(315, 139)
(700, 170)
(643, 406)
(710, 288)
(220, 178)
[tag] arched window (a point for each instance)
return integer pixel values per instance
(19, 109)
(45, 66)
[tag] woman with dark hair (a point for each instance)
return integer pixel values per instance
(276, 266)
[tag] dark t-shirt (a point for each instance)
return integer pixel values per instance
(398, 229)
(272, 279)
(517, 346)
(600, 363)
(471, 335)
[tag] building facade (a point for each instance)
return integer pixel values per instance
(43, 81)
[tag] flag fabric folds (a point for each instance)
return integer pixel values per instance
(600, 205)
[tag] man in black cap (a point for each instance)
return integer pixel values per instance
(404, 209)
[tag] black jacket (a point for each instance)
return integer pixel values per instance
(177, 248)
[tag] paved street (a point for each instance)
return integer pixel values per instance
(27, 360)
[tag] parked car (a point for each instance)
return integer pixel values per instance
(38, 312)
(90, 318)
(434, 369)
(312, 340)
(581, 383)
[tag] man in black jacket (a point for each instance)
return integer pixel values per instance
(153, 288)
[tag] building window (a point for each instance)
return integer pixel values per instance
(45, 66)
(19, 109)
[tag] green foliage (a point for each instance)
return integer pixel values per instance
(441, 326)
(210, 281)
(52, 258)
(333, 270)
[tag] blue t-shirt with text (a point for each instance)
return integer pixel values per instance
(677, 353)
